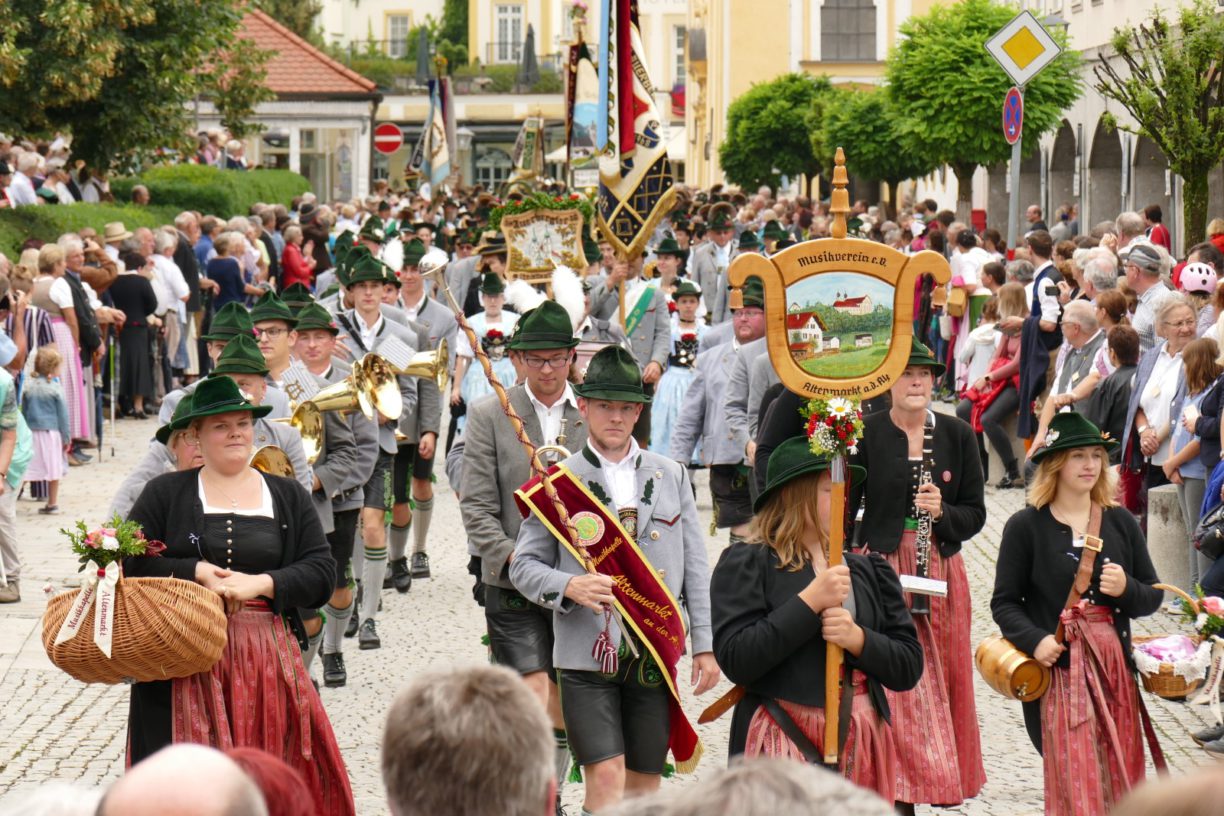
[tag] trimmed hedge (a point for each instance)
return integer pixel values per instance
(223, 193)
(49, 222)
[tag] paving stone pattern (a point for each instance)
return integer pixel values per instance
(52, 727)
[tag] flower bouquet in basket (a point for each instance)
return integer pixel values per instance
(1173, 666)
(115, 629)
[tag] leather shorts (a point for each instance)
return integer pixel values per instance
(378, 488)
(520, 632)
(623, 714)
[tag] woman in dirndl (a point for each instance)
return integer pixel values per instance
(935, 725)
(255, 540)
(686, 332)
(777, 604)
(1087, 726)
(493, 328)
(52, 294)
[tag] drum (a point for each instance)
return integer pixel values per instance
(1010, 671)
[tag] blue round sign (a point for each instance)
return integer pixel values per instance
(1013, 115)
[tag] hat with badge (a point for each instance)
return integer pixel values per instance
(792, 459)
(414, 251)
(752, 293)
(361, 265)
(614, 375)
(686, 288)
(721, 217)
(231, 320)
(920, 355)
(241, 356)
(313, 317)
(373, 230)
(215, 395)
(297, 296)
(491, 283)
(1071, 430)
(271, 307)
(547, 326)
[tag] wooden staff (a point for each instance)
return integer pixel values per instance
(834, 656)
(434, 271)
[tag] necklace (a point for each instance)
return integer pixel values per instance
(233, 502)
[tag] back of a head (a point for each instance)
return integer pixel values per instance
(1195, 794)
(1129, 225)
(468, 741)
(762, 787)
(283, 787)
(184, 780)
(1041, 244)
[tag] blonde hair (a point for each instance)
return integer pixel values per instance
(47, 362)
(780, 524)
(1011, 300)
(49, 257)
(1045, 482)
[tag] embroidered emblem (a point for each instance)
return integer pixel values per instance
(648, 491)
(629, 520)
(1051, 437)
(597, 492)
(589, 527)
(947, 476)
(549, 597)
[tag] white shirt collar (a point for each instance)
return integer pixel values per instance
(566, 396)
(630, 459)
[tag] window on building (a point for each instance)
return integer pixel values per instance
(679, 34)
(848, 31)
(397, 35)
(509, 32)
(493, 166)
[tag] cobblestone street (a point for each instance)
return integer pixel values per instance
(55, 728)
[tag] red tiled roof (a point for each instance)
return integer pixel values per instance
(797, 320)
(848, 303)
(298, 68)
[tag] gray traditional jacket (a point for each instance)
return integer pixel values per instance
(494, 466)
(702, 416)
(651, 339)
(736, 405)
(365, 436)
(669, 536)
(407, 385)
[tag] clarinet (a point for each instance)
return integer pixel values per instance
(921, 604)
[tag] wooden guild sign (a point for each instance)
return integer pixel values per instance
(839, 311)
(539, 241)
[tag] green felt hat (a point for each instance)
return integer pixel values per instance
(313, 317)
(373, 230)
(748, 240)
(329, 291)
(792, 459)
(271, 307)
(241, 356)
(414, 251)
(180, 411)
(216, 395)
(491, 283)
(547, 326)
(686, 288)
(774, 230)
(668, 246)
(1071, 430)
(920, 355)
(752, 293)
(297, 296)
(469, 236)
(613, 374)
(363, 266)
(590, 249)
(784, 243)
(230, 321)
(721, 218)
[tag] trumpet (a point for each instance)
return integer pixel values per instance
(273, 460)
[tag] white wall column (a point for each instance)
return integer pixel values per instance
(295, 149)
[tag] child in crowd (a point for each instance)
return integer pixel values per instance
(46, 412)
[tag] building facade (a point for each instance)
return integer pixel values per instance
(379, 26)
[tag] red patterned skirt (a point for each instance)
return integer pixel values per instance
(1090, 720)
(868, 758)
(939, 748)
(260, 696)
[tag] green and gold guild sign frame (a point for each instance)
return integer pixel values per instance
(539, 241)
(839, 311)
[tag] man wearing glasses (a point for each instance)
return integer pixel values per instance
(494, 466)
(703, 417)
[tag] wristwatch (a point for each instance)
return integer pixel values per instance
(1143, 430)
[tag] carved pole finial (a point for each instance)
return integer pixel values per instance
(839, 201)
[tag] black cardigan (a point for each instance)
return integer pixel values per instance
(1037, 565)
(884, 452)
(769, 641)
(169, 510)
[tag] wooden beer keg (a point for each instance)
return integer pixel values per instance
(1010, 671)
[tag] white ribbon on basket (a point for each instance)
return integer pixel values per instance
(1209, 694)
(100, 582)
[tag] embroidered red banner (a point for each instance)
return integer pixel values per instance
(646, 604)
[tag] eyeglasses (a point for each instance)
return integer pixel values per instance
(1182, 324)
(272, 333)
(559, 361)
(748, 312)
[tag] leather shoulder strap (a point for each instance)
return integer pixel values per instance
(1088, 556)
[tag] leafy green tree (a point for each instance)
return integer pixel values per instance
(768, 131)
(299, 16)
(1173, 87)
(454, 28)
(120, 77)
(240, 87)
(865, 124)
(948, 91)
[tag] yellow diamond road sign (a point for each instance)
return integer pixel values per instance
(1023, 47)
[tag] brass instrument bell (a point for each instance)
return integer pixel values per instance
(429, 365)
(273, 460)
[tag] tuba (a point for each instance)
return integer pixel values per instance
(273, 460)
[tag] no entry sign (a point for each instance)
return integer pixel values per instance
(1013, 116)
(388, 138)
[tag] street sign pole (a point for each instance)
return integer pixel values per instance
(1013, 200)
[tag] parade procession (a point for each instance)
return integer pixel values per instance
(753, 447)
